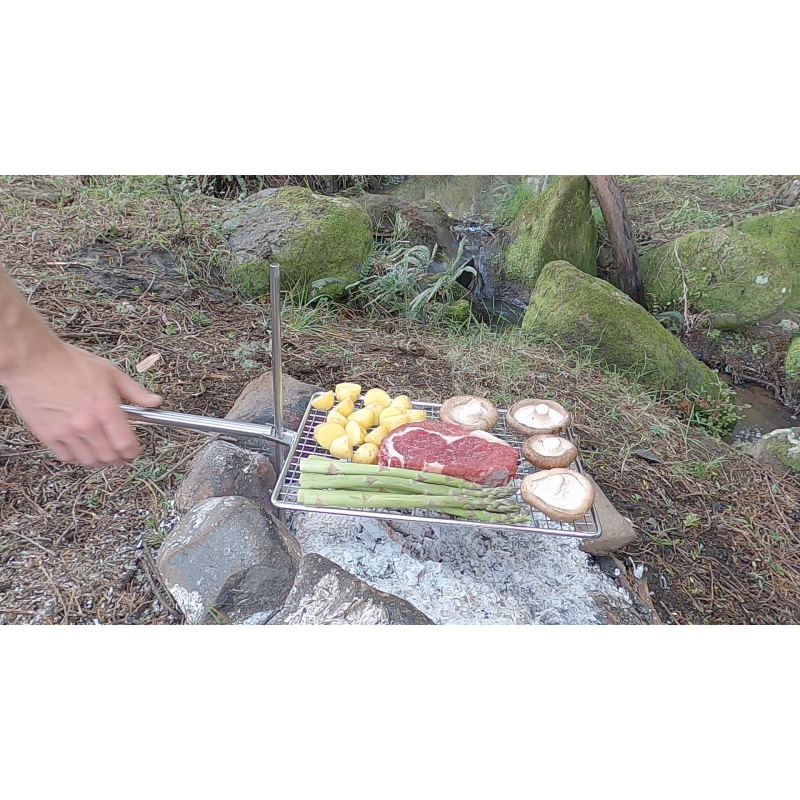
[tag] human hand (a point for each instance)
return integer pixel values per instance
(70, 400)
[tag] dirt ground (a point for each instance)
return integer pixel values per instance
(718, 532)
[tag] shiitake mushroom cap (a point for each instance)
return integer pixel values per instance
(484, 424)
(527, 430)
(559, 514)
(542, 460)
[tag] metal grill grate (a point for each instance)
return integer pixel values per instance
(288, 485)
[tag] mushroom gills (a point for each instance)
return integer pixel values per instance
(547, 451)
(471, 411)
(562, 494)
(476, 413)
(538, 416)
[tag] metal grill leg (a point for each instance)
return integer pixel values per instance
(277, 370)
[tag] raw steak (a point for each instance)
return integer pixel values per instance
(452, 450)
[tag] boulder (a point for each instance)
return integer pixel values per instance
(255, 404)
(222, 469)
(727, 273)
(792, 363)
(556, 225)
(426, 221)
(779, 449)
(229, 559)
(788, 194)
(40, 190)
(325, 594)
(780, 234)
(575, 309)
(311, 236)
(617, 531)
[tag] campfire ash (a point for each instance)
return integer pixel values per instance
(469, 576)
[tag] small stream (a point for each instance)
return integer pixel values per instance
(471, 200)
(764, 415)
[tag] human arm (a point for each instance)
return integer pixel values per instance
(68, 397)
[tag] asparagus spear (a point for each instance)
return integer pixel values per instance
(335, 498)
(476, 515)
(325, 466)
(310, 480)
(342, 499)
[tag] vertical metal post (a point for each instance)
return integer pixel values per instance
(277, 369)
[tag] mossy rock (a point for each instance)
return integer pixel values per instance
(576, 309)
(557, 224)
(792, 363)
(780, 233)
(311, 236)
(458, 311)
(728, 273)
(779, 449)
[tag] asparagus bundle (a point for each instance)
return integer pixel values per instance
(324, 466)
(328, 484)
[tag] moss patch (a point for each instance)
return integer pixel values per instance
(792, 364)
(780, 233)
(458, 311)
(728, 273)
(310, 236)
(556, 225)
(576, 309)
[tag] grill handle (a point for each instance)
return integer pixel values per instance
(175, 419)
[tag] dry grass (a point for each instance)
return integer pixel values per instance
(719, 534)
(664, 207)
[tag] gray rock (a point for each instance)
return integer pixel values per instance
(39, 189)
(325, 594)
(428, 223)
(311, 236)
(255, 404)
(231, 555)
(618, 532)
(779, 449)
(789, 194)
(222, 469)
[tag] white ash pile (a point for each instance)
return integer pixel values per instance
(469, 576)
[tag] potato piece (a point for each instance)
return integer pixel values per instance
(335, 416)
(323, 403)
(346, 407)
(376, 409)
(402, 401)
(377, 396)
(364, 417)
(366, 454)
(390, 423)
(389, 411)
(375, 436)
(324, 434)
(416, 415)
(345, 390)
(341, 447)
(355, 432)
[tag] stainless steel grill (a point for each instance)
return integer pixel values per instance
(288, 485)
(301, 444)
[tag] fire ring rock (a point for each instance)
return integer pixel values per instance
(229, 559)
(325, 594)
